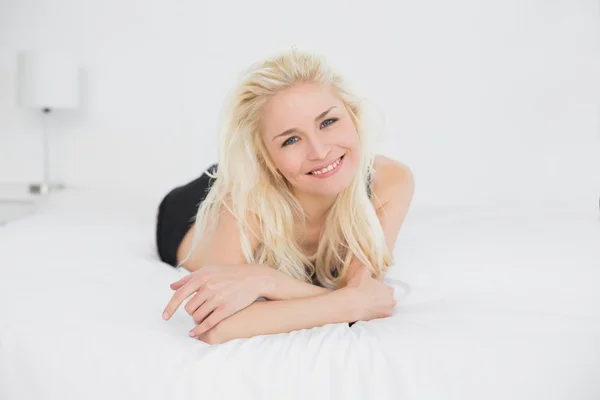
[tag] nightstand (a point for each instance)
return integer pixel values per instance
(13, 210)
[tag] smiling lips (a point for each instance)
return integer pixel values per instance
(326, 170)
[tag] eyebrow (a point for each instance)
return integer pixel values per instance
(291, 130)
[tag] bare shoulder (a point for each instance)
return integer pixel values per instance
(392, 179)
(223, 246)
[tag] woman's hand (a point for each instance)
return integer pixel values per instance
(221, 290)
(373, 299)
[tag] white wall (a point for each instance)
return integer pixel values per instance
(488, 101)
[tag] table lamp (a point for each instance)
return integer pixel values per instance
(47, 82)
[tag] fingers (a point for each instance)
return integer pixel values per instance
(181, 282)
(206, 308)
(208, 292)
(195, 302)
(211, 321)
(180, 295)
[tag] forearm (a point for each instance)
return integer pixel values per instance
(279, 316)
(356, 265)
(283, 287)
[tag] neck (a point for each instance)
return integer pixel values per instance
(315, 207)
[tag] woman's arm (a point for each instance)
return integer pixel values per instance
(224, 248)
(283, 287)
(222, 281)
(363, 299)
(279, 316)
(393, 190)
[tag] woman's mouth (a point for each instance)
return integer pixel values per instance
(328, 170)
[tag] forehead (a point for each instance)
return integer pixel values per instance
(295, 107)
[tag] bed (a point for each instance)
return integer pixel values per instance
(492, 303)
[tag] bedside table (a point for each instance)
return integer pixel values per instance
(13, 210)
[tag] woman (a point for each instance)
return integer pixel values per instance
(298, 211)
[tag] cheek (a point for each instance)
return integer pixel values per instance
(354, 141)
(288, 162)
(348, 137)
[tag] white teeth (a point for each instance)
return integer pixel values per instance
(328, 168)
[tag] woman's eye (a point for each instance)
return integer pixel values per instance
(328, 122)
(289, 141)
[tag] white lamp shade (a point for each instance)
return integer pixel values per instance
(47, 80)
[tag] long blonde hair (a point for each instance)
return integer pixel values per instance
(248, 184)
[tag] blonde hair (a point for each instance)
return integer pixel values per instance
(250, 187)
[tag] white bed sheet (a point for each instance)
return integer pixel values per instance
(503, 304)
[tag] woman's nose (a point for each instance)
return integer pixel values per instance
(318, 150)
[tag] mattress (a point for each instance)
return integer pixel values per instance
(492, 303)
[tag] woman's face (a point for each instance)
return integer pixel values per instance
(311, 139)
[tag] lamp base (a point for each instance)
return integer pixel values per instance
(45, 188)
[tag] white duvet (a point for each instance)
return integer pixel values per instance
(503, 304)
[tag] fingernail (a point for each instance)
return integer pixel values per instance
(192, 334)
(165, 315)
